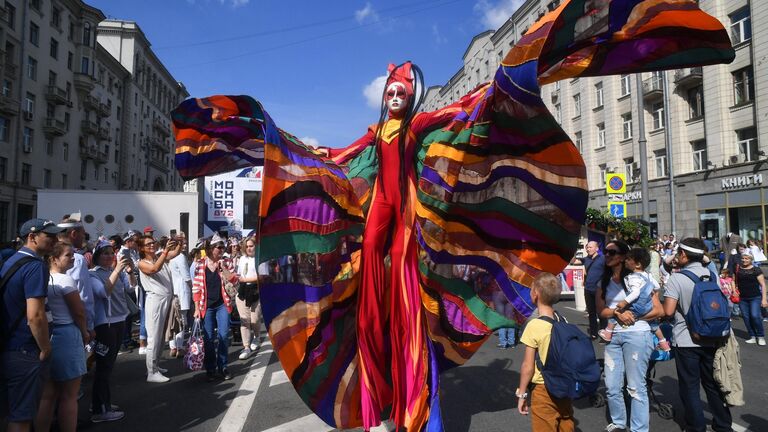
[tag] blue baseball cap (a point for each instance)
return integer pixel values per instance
(39, 225)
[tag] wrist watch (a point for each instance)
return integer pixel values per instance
(521, 395)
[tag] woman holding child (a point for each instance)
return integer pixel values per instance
(631, 343)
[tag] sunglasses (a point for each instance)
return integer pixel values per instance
(149, 244)
(611, 252)
(219, 247)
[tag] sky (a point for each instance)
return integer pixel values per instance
(316, 66)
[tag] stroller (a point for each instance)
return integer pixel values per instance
(664, 410)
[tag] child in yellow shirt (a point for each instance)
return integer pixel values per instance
(547, 414)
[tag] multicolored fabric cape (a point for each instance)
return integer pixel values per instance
(500, 187)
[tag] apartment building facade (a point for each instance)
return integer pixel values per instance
(70, 107)
(709, 116)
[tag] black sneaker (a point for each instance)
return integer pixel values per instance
(226, 375)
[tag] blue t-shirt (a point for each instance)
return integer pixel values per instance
(29, 281)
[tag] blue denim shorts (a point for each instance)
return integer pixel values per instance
(23, 378)
(68, 355)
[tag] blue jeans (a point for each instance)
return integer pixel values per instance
(142, 314)
(752, 314)
(216, 318)
(507, 336)
(628, 355)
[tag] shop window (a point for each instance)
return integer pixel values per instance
(747, 222)
(712, 225)
(699, 152)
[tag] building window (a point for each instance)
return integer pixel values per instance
(35, 4)
(625, 86)
(603, 172)
(3, 168)
(658, 115)
(598, 95)
(600, 136)
(95, 172)
(26, 173)
(83, 168)
(629, 169)
(34, 34)
(29, 103)
(63, 181)
(87, 34)
(70, 59)
(696, 102)
(741, 26)
(28, 139)
(747, 141)
(5, 126)
(577, 104)
(65, 151)
(54, 48)
(47, 178)
(56, 18)
(577, 141)
(7, 87)
(85, 64)
(699, 151)
(106, 175)
(52, 78)
(558, 113)
(743, 86)
(31, 68)
(49, 147)
(626, 126)
(11, 11)
(660, 159)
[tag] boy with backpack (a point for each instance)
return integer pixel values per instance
(702, 324)
(555, 379)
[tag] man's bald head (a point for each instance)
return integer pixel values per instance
(592, 248)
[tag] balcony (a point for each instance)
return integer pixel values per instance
(3, 14)
(104, 134)
(88, 127)
(84, 82)
(157, 160)
(53, 127)
(104, 110)
(161, 126)
(653, 88)
(57, 95)
(689, 77)
(8, 105)
(93, 152)
(158, 144)
(91, 103)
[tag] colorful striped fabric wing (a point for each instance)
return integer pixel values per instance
(504, 188)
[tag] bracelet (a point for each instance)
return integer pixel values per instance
(521, 395)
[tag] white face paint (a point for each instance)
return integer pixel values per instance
(395, 97)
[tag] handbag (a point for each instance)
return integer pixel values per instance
(229, 287)
(193, 359)
(735, 297)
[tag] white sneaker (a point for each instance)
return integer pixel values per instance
(761, 341)
(157, 377)
(244, 354)
(107, 416)
(750, 340)
(142, 350)
(255, 346)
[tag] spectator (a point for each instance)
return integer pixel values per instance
(750, 283)
(111, 285)
(287, 264)
(502, 305)
(131, 249)
(74, 234)
(248, 305)
(594, 267)
(68, 336)
(547, 413)
(27, 347)
(694, 362)
(182, 289)
(756, 252)
(155, 276)
(628, 353)
(653, 267)
(735, 259)
(233, 251)
(213, 304)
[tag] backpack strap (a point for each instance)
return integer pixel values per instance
(6, 277)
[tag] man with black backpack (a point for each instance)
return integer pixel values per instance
(25, 338)
(701, 324)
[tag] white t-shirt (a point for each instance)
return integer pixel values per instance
(247, 267)
(59, 286)
(615, 293)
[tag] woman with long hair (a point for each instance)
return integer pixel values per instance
(111, 285)
(68, 336)
(629, 350)
(213, 304)
(750, 283)
(155, 275)
(248, 305)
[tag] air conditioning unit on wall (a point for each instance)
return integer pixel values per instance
(737, 159)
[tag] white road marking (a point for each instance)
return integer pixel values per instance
(739, 428)
(278, 378)
(235, 417)
(313, 423)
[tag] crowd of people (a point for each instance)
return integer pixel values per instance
(70, 307)
(628, 294)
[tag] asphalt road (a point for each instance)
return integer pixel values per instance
(478, 396)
